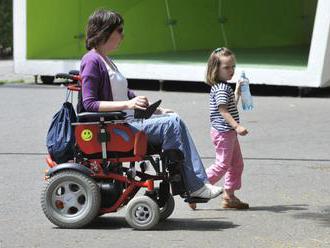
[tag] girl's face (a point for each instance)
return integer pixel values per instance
(114, 39)
(227, 68)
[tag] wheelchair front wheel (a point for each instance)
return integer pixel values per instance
(168, 208)
(70, 199)
(142, 213)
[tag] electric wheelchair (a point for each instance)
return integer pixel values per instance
(110, 165)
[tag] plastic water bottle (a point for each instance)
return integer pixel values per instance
(247, 103)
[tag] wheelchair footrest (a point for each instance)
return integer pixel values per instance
(196, 200)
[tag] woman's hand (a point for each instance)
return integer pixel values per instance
(241, 130)
(166, 110)
(161, 111)
(139, 102)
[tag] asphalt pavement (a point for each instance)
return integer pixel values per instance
(285, 180)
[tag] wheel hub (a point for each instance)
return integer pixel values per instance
(69, 198)
(142, 213)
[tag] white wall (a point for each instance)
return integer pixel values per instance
(317, 73)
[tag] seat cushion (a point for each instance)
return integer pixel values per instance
(95, 116)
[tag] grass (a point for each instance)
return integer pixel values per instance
(11, 81)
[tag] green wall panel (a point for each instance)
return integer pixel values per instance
(257, 23)
(51, 27)
(55, 29)
(145, 26)
(197, 24)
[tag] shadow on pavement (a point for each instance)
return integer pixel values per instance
(274, 209)
(280, 208)
(196, 224)
(322, 217)
(172, 224)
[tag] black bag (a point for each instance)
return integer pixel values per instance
(60, 137)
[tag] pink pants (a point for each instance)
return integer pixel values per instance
(229, 160)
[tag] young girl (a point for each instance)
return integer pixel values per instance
(225, 126)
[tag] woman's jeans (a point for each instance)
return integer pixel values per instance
(171, 132)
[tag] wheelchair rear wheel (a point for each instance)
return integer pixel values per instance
(70, 199)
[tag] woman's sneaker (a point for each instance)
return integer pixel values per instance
(208, 191)
(215, 189)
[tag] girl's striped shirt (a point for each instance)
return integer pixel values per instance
(222, 93)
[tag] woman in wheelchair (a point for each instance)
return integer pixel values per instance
(104, 89)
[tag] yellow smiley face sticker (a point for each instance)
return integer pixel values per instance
(86, 135)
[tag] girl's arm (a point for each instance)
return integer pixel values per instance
(231, 121)
(237, 92)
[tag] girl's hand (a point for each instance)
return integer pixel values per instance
(161, 111)
(241, 130)
(238, 87)
(139, 102)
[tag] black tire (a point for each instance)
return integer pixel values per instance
(142, 213)
(47, 79)
(70, 199)
(168, 208)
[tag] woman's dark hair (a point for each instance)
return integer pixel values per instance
(100, 26)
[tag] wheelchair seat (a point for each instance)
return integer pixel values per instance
(96, 116)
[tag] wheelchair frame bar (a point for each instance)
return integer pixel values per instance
(132, 189)
(98, 122)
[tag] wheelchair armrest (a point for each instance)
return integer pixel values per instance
(95, 116)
